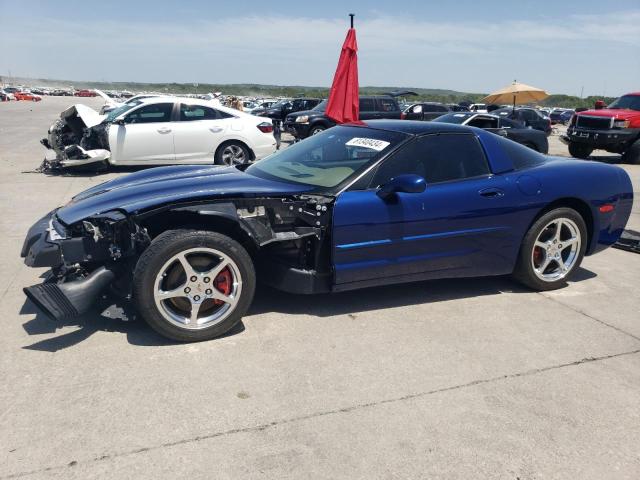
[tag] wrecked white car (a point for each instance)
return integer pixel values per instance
(157, 131)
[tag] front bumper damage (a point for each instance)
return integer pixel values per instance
(78, 138)
(82, 264)
(287, 236)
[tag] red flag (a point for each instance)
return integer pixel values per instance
(343, 103)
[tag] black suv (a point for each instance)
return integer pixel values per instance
(425, 111)
(279, 110)
(306, 123)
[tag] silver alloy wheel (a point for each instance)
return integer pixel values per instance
(316, 131)
(186, 288)
(556, 250)
(233, 155)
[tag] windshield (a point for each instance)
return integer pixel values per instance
(327, 159)
(116, 112)
(452, 118)
(321, 107)
(631, 102)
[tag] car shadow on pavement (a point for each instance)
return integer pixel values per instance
(114, 315)
(378, 298)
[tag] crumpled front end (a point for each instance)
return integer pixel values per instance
(84, 259)
(78, 138)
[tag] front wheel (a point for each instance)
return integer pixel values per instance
(577, 150)
(552, 250)
(315, 130)
(192, 285)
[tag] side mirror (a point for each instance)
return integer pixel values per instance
(502, 132)
(408, 183)
(119, 121)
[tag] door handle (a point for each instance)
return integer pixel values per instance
(164, 130)
(491, 193)
(216, 129)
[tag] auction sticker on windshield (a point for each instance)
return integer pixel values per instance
(372, 143)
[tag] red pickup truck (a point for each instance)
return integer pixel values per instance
(615, 129)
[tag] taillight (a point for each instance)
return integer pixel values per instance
(403, 116)
(265, 127)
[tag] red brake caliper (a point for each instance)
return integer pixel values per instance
(223, 283)
(537, 256)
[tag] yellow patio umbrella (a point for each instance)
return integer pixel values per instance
(516, 93)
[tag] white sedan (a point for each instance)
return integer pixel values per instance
(159, 131)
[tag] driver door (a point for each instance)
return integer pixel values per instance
(461, 225)
(145, 136)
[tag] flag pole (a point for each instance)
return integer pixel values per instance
(352, 15)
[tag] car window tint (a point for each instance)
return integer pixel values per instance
(506, 123)
(483, 122)
(197, 112)
(157, 112)
(387, 105)
(367, 105)
(436, 158)
(416, 109)
(521, 156)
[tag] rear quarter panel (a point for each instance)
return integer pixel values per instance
(594, 184)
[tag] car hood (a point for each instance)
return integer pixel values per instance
(618, 113)
(87, 115)
(165, 185)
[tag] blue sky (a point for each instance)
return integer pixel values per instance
(475, 46)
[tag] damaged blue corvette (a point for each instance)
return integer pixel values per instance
(356, 206)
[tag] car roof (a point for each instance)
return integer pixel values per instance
(414, 127)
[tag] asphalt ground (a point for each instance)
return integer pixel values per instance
(459, 379)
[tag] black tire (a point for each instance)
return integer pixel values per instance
(232, 144)
(316, 129)
(524, 270)
(632, 155)
(163, 248)
(578, 150)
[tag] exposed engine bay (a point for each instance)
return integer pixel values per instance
(79, 137)
(287, 237)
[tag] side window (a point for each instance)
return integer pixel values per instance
(367, 105)
(484, 122)
(436, 158)
(156, 112)
(416, 109)
(521, 156)
(189, 113)
(387, 105)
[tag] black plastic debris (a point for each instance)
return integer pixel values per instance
(629, 240)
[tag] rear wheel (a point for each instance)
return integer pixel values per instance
(552, 250)
(579, 150)
(632, 155)
(315, 130)
(232, 153)
(193, 285)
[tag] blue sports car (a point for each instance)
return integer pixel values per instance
(359, 205)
